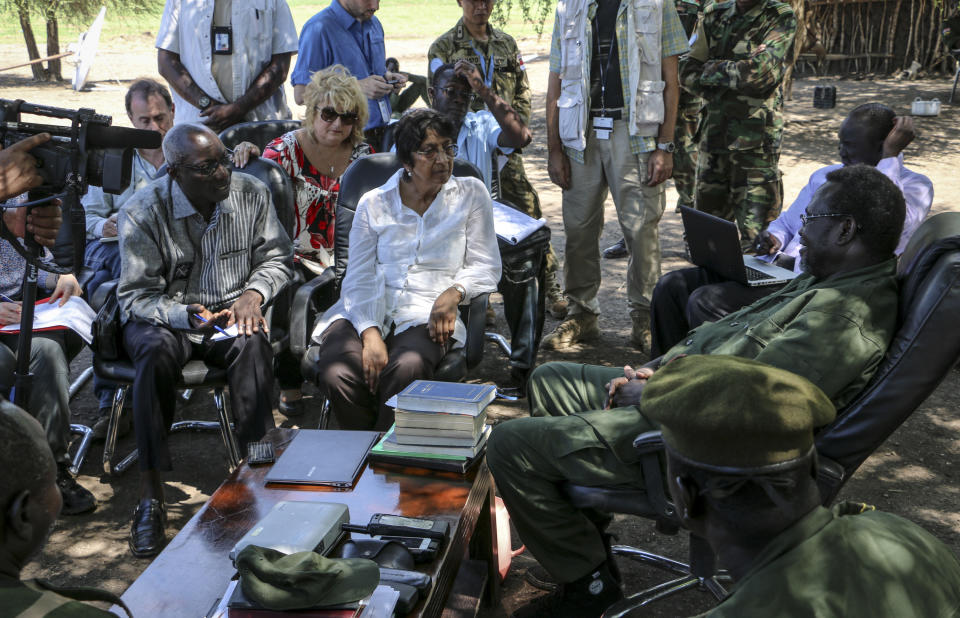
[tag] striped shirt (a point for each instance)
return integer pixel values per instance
(171, 257)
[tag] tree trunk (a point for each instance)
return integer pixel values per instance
(39, 73)
(53, 47)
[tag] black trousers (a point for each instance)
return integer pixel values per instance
(159, 354)
(686, 298)
(411, 355)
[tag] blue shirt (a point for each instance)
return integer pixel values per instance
(333, 36)
(477, 142)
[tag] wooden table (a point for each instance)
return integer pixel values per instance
(193, 571)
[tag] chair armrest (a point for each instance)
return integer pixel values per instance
(476, 320)
(103, 293)
(649, 445)
(305, 308)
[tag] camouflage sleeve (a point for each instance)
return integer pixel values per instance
(761, 73)
(691, 65)
(439, 49)
(522, 93)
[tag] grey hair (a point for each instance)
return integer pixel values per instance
(176, 142)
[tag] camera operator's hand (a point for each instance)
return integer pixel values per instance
(222, 115)
(18, 170)
(67, 286)
(43, 222)
(9, 313)
(110, 227)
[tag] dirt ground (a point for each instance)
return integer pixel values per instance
(915, 474)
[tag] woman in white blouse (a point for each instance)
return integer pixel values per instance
(420, 245)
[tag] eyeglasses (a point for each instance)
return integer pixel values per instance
(459, 94)
(450, 150)
(805, 218)
(328, 114)
(210, 167)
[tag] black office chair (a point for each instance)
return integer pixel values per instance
(924, 349)
(197, 374)
(318, 294)
(260, 132)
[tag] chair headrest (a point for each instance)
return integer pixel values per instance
(935, 236)
(261, 132)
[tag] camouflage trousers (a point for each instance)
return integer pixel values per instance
(741, 186)
(516, 189)
(569, 437)
(685, 155)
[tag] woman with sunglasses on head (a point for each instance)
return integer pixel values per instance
(315, 156)
(420, 245)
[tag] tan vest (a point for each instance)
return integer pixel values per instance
(644, 86)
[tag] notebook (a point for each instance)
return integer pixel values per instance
(323, 457)
(714, 243)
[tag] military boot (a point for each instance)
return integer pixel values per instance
(640, 335)
(586, 597)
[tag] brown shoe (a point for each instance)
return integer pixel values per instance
(640, 335)
(578, 328)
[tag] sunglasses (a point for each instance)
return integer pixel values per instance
(805, 218)
(210, 167)
(328, 114)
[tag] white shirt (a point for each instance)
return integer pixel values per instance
(401, 262)
(261, 29)
(917, 193)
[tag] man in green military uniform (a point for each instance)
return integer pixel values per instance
(736, 63)
(742, 471)
(497, 56)
(831, 324)
(29, 504)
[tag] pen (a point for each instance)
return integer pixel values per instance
(7, 299)
(205, 320)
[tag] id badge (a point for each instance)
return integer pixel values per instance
(384, 109)
(222, 40)
(602, 126)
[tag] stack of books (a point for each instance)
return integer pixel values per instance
(439, 425)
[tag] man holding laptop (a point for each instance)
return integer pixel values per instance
(686, 298)
(831, 325)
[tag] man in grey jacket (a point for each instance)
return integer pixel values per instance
(199, 248)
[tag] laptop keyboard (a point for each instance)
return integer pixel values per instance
(756, 275)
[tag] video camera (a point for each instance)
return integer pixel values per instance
(86, 152)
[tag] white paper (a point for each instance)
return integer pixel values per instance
(231, 332)
(75, 314)
(512, 225)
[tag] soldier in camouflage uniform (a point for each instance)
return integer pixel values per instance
(736, 64)
(688, 120)
(499, 61)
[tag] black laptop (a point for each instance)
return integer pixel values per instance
(714, 244)
(323, 457)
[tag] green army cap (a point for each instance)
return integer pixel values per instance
(730, 411)
(304, 579)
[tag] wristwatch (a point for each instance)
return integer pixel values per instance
(203, 102)
(461, 289)
(666, 146)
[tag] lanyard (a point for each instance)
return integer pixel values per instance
(604, 71)
(486, 66)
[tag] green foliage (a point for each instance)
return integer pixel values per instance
(534, 12)
(79, 12)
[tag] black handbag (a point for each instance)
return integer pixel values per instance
(107, 341)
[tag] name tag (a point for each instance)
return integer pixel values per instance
(222, 40)
(602, 127)
(384, 109)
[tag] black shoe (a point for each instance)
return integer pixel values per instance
(617, 251)
(76, 498)
(147, 535)
(586, 597)
(539, 577)
(291, 408)
(102, 424)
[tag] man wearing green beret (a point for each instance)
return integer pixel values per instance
(742, 471)
(831, 325)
